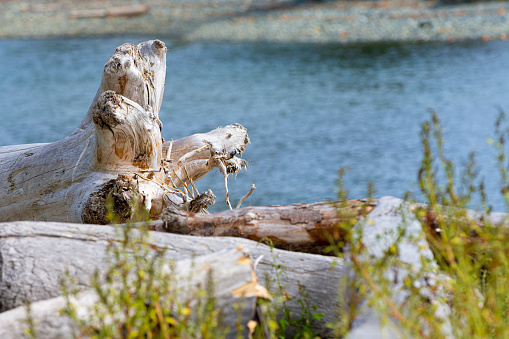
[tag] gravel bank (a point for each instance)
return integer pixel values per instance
(236, 20)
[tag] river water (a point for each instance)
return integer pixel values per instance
(309, 109)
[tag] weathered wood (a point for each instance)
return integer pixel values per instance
(120, 135)
(298, 227)
(134, 10)
(116, 152)
(394, 221)
(234, 284)
(192, 157)
(34, 255)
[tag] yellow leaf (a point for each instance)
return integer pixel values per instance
(244, 261)
(251, 324)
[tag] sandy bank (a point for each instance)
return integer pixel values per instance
(258, 20)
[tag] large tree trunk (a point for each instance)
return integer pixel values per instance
(116, 152)
(34, 256)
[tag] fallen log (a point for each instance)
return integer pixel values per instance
(297, 227)
(119, 11)
(116, 153)
(232, 272)
(34, 255)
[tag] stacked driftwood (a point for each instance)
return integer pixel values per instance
(116, 161)
(117, 158)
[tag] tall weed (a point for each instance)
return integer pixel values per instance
(466, 293)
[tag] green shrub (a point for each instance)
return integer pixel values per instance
(470, 277)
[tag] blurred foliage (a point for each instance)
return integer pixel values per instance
(464, 291)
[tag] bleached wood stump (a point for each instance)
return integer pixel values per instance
(116, 153)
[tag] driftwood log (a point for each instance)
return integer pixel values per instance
(116, 153)
(122, 11)
(233, 268)
(297, 227)
(34, 255)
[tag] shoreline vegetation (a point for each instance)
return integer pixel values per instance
(287, 21)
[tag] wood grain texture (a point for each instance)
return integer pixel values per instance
(297, 227)
(231, 269)
(34, 255)
(116, 152)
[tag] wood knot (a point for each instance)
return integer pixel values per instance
(250, 216)
(105, 110)
(119, 193)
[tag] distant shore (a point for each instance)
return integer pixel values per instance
(257, 20)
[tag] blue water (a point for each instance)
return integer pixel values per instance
(309, 109)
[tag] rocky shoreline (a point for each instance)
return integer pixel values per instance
(257, 20)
